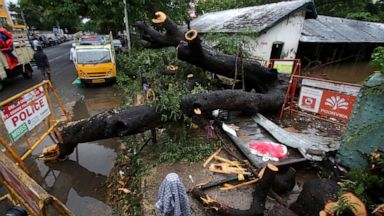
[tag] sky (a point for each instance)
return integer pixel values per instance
(13, 1)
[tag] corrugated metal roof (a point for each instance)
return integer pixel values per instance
(255, 19)
(327, 29)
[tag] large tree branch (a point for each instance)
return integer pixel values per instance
(128, 121)
(156, 39)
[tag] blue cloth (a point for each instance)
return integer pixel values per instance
(172, 198)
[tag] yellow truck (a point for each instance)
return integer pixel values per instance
(94, 59)
(23, 51)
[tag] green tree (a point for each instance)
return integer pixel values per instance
(105, 16)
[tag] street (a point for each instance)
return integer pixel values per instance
(63, 73)
(78, 182)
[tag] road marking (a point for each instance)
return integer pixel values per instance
(54, 59)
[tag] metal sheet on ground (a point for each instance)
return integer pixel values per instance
(249, 131)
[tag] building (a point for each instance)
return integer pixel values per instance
(329, 39)
(10, 18)
(293, 29)
(270, 31)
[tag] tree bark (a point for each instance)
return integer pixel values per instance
(314, 195)
(256, 76)
(154, 39)
(128, 121)
(190, 49)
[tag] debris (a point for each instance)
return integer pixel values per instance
(124, 190)
(269, 150)
(310, 148)
(211, 157)
(229, 129)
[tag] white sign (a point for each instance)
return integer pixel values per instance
(310, 99)
(25, 113)
(351, 90)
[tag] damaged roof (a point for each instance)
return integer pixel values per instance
(327, 29)
(255, 19)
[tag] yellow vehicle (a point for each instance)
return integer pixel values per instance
(95, 59)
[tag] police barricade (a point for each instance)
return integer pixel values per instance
(24, 191)
(326, 100)
(27, 118)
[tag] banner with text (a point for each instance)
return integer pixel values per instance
(326, 102)
(24, 113)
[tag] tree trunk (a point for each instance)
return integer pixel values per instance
(189, 49)
(128, 121)
(154, 39)
(314, 195)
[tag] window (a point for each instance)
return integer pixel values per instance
(93, 56)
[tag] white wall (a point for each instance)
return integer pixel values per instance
(288, 31)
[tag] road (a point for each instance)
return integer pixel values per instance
(78, 182)
(63, 73)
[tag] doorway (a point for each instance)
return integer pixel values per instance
(277, 48)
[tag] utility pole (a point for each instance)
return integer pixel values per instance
(127, 26)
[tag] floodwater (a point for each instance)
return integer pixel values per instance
(80, 181)
(347, 72)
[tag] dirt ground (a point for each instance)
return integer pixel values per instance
(241, 198)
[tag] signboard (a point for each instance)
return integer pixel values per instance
(16, 184)
(351, 90)
(283, 66)
(329, 103)
(336, 105)
(310, 99)
(24, 113)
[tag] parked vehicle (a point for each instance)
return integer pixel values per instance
(24, 53)
(117, 45)
(95, 59)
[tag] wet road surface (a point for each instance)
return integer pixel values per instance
(78, 182)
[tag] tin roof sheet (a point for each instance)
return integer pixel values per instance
(327, 29)
(255, 19)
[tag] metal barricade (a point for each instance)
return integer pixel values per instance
(326, 100)
(23, 190)
(27, 118)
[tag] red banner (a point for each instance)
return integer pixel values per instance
(336, 105)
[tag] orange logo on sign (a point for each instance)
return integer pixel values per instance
(336, 105)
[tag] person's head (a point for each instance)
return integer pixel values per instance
(39, 48)
(73, 45)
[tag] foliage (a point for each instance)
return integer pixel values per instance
(180, 144)
(230, 45)
(169, 89)
(343, 206)
(362, 184)
(105, 16)
(378, 59)
(217, 5)
(353, 9)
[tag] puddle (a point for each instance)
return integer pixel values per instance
(80, 181)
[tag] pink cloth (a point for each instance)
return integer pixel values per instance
(269, 150)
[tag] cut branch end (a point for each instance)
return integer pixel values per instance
(160, 17)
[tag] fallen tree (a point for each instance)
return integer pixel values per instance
(116, 123)
(128, 121)
(190, 49)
